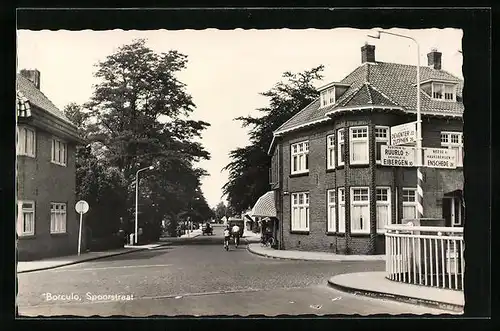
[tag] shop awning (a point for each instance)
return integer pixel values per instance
(265, 206)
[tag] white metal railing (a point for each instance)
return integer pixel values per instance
(425, 255)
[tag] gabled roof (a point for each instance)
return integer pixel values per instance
(36, 98)
(388, 85)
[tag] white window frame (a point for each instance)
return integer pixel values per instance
(458, 146)
(353, 140)
(58, 217)
(341, 209)
(413, 204)
(55, 149)
(327, 97)
(302, 157)
(301, 210)
(23, 146)
(353, 203)
(388, 203)
(379, 138)
(331, 225)
(340, 143)
(444, 86)
(21, 230)
(330, 151)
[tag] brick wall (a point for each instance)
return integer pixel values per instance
(319, 180)
(44, 182)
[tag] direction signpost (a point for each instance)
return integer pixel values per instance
(397, 156)
(81, 207)
(440, 158)
(404, 134)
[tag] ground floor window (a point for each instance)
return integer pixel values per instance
(383, 208)
(331, 211)
(341, 204)
(26, 218)
(409, 203)
(57, 217)
(300, 211)
(360, 210)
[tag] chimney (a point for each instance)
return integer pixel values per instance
(368, 53)
(33, 76)
(434, 59)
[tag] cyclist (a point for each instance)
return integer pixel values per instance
(227, 235)
(236, 235)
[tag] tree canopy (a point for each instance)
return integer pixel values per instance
(249, 166)
(139, 115)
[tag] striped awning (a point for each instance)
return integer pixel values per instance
(265, 206)
(22, 105)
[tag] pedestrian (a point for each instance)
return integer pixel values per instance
(236, 235)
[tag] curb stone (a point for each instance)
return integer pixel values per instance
(303, 259)
(398, 297)
(87, 259)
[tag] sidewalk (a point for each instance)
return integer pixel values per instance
(193, 234)
(251, 236)
(30, 266)
(375, 284)
(309, 256)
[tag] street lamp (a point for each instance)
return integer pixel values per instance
(137, 199)
(420, 194)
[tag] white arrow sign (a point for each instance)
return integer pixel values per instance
(404, 134)
(440, 158)
(397, 156)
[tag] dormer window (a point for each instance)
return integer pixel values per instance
(328, 97)
(444, 91)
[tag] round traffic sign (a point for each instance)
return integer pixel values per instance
(82, 207)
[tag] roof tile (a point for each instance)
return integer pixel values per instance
(37, 98)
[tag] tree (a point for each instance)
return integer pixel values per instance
(141, 114)
(249, 166)
(219, 211)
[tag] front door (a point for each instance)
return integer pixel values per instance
(453, 211)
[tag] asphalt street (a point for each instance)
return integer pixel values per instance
(198, 277)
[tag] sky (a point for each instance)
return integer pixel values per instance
(226, 70)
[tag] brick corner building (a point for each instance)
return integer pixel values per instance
(47, 224)
(331, 193)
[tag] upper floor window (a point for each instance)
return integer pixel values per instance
(358, 141)
(59, 151)
(300, 211)
(454, 140)
(443, 91)
(26, 141)
(327, 97)
(340, 146)
(26, 218)
(381, 138)
(300, 157)
(330, 151)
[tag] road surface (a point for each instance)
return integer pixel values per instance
(198, 277)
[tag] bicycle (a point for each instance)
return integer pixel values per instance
(267, 241)
(226, 244)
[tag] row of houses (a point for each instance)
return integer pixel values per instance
(329, 190)
(47, 223)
